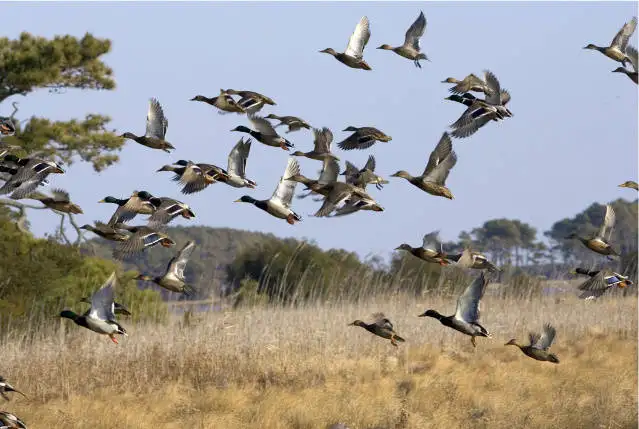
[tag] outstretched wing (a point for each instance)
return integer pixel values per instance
(156, 122)
(102, 306)
(359, 39)
(262, 125)
(370, 164)
(441, 151)
(493, 96)
(546, 339)
(415, 31)
(608, 222)
(179, 261)
(622, 37)
(468, 303)
(330, 171)
(286, 188)
(431, 240)
(238, 157)
(323, 140)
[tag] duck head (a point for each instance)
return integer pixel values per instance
(404, 246)
(199, 98)
(357, 323)
(450, 80)
(242, 129)
(245, 199)
(401, 173)
(512, 342)
(386, 47)
(431, 313)
(330, 51)
(129, 135)
(591, 46)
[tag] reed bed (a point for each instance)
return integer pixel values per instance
(303, 367)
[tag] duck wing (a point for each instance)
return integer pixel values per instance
(351, 172)
(382, 321)
(493, 96)
(238, 157)
(263, 126)
(468, 303)
(621, 38)
(60, 196)
(546, 339)
(178, 262)
(370, 164)
(102, 306)
(359, 39)
(156, 122)
(323, 140)
(431, 240)
(608, 222)
(330, 171)
(443, 149)
(631, 51)
(286, 188)
(415, 31)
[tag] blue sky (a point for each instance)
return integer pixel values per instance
(572, 116)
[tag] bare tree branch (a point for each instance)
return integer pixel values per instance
(62, 233)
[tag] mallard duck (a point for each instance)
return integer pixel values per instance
(251, 101)
(173, 278)
(428, 251)
(279, 205)
(58, 201)
(466, 317)
(353, 56)
(365, 176)
(117, 307)
(194, 177)
(106, 231)
(467, 84)
(342, 193)
(5, 388)
(328, 174)
(632, 54)
(29, 175)
(539, 345)
(467, 99)
(265, 133)
(630, 184)
(140, 202)
(617, 49)
(100, 317)
(410, 49)
(236, 166)
(598, 243)
(352, 206)
(480, 112)
(322, 145)
(224, 102)
(433, 180)
(600, 282)
(382, 327)
(10, 421)
(168, 210)
(292, 122)
(362, 138)
(142, 237)
(474, 260)
(156, 125)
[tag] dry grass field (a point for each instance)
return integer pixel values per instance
(305, 368)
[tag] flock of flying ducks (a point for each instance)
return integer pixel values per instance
(23, 176)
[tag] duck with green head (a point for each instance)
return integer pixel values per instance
(538, 345)
(100, 317)
(156, 125)
(140, 202)
(279, 205)
(600, 282)
(411, 49)
(382, 327)
(105, 231)
(264, 133)
(466, 317)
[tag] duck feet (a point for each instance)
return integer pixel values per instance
(417, 64)
(283, 146)
(115, 340)
(290, 219)
(393, 342)
(472, 340)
